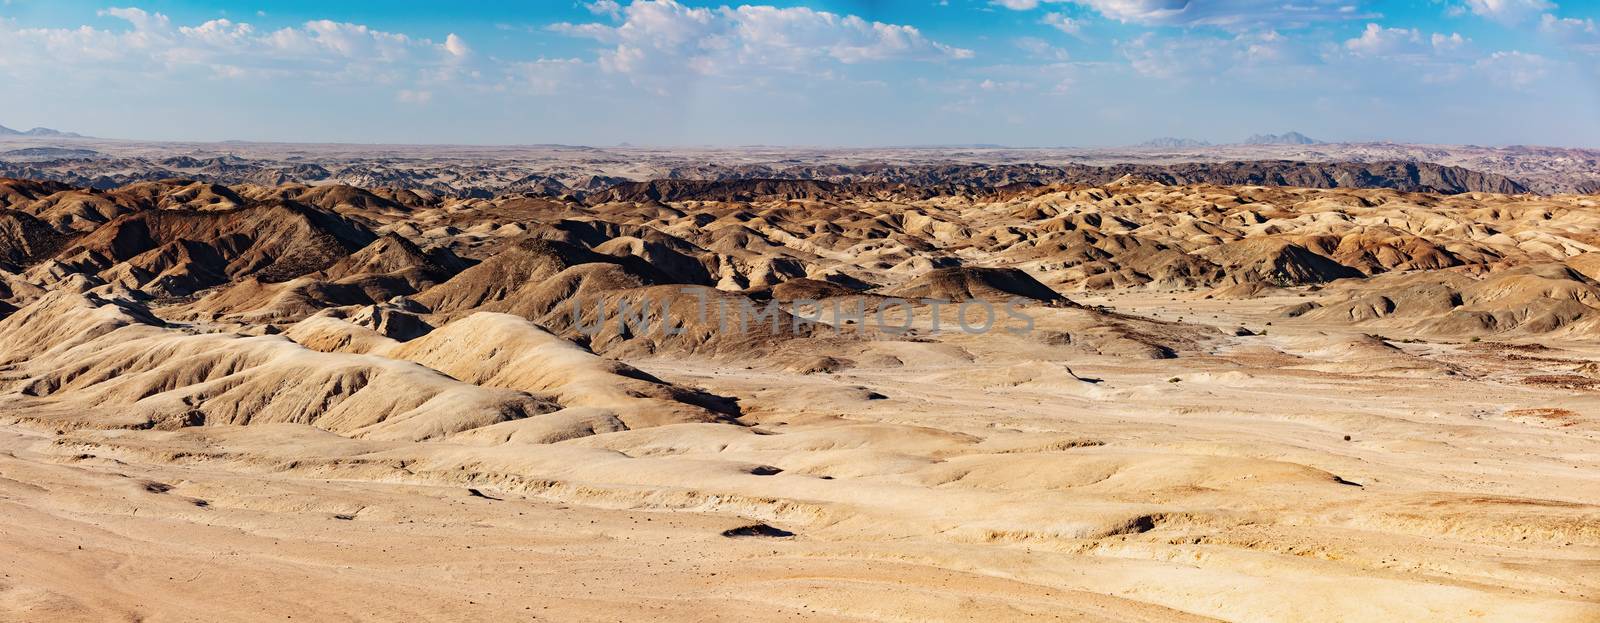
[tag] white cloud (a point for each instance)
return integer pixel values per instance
(1568, 27)
(1062, 23)
(547, 76)
(1177, 57)
(1448, 43)
(1141, 11)
(151, 46)
(1581, 35)
(661, 37)
(456, 46)
(1518, 70)
(766, 31)
(1267, 47)
(1003, 86)
(1214, 58)
(1391, 58)
(605, 7)
(1509, 11)
(1040, 49)
(1378, 41)
(218, 33)
(1017, 5)
(141, 20)
(408, 96)
(1227, 13)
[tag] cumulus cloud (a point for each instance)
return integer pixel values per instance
(1176, 58)
(1448, 43)
(1226, 13)
(1379, 59)
(456, 46)
(1581, 35)
(1006, 86)
(1208, 57)
(1223, 13)
(657, 37)
(547, 76)
(1017, 5)
(1062, 23)
(1402, 55)
(1509, 11)
(1514, 69)
(604, 7)
(1143, 11)
(1040, 49)
(139, 18)
(330, 39)
(151, 45)
(1378, 41)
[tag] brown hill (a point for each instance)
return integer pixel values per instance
(15, 192)
(519, 271)
(715, 190)
(968, 283)
(1279, 261)
(390, 267)
(180, 252)
(25, 241)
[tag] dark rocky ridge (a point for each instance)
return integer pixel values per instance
(487, 179)
(879, 180)
(716, 190)
(47, 153)
(1403, 176)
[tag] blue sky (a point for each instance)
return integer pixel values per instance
(820, 72)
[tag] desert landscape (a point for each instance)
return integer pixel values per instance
(1207, 388)
(690, 311)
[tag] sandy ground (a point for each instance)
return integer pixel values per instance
(1301, 475)
(112, 542)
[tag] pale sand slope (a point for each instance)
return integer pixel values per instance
(96, 539)
(988, 484)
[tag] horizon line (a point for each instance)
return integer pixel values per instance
(659, 146)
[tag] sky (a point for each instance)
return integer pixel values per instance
(1036, 73)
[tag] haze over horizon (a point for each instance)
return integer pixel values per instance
(1286, 138)
(1025, 73)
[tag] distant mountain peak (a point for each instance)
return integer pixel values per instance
(46, 132)
(1169, 141)
(52, 133)
(1287, 138)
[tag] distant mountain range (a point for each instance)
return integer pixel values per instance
(42, 154)
(1288, 138)
(44, 132)
(1168, 141)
